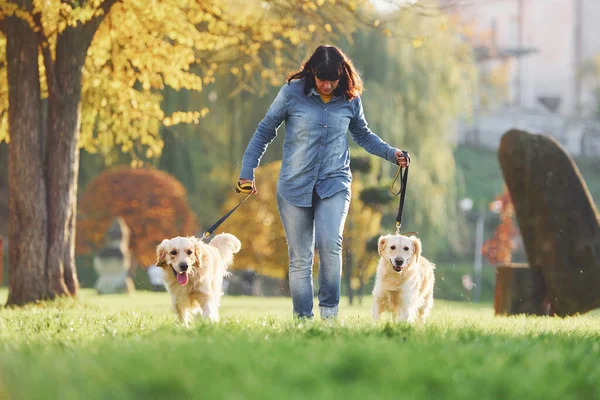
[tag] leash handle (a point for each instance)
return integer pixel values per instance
(398, 172)
(245, 187)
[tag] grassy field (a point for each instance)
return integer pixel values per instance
(130, 347)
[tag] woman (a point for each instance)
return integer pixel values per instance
(320, 103)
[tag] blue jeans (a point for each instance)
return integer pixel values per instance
(322, 223)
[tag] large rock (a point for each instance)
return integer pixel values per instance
(557, 219)
(112, 263)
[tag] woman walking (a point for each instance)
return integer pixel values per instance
(319, 103)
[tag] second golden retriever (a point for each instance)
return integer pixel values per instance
(404, 280)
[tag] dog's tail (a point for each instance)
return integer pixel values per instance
(228, 245)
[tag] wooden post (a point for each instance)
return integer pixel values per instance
(520, 289)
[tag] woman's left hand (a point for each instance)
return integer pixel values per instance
(401, 160)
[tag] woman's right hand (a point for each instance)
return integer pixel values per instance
(246, 186)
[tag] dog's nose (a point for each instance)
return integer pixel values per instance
(399, 261)
(183, 266)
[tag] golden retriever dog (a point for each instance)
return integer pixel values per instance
(193, 273)
(404, 280)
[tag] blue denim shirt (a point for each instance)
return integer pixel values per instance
(315, 148)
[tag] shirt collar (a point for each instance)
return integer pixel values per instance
(313, 92)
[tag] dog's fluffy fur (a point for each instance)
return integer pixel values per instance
(193, 273)
(404, 281)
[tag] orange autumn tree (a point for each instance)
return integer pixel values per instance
(153, 204)
(498, 249)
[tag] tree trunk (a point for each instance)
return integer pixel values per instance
(1, 260)
(62, 162)
(43, 180)
(27, 221)
(70, 273)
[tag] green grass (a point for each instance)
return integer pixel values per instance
(130, 347)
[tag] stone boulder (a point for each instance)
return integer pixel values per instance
(558, 221)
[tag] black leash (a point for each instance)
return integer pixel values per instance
(243, 188)
(402, 191)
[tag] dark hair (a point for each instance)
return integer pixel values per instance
(330, 64)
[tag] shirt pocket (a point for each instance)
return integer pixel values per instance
(340, 144)
(341, 140)
(344, 124)
(297, 126)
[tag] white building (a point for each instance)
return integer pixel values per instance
(543, 45)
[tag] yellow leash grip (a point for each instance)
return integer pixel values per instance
(245, 187)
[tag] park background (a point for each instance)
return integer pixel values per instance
(443, 81)
(138, 111)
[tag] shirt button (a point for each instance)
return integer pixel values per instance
(324, 126)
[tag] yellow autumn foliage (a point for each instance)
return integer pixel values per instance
(142, 47)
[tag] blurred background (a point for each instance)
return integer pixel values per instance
(443, 80)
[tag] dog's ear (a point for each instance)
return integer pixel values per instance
(381, 244)
(416, 242)
(161, 254)
(198, 253)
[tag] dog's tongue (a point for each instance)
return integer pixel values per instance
(182, 278)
